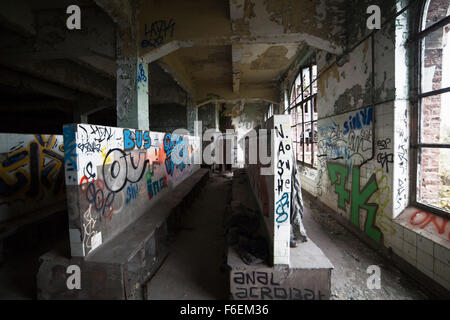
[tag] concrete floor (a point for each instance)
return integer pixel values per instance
(198, 273)
(350, 258)
(195, 268)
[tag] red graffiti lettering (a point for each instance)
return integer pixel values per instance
(424, 219)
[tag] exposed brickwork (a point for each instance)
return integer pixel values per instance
(431, 107)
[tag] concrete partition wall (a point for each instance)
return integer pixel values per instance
(273, 191)
(114, 175)
(31, 174)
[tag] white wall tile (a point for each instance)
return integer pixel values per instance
(442, 253)
(425, 270)
(425, 244)
(425, 259)
(442, 269)
(410, 252)
(410, 237)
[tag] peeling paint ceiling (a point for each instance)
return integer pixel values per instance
(239, 44)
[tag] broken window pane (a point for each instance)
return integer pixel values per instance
(299, 114)
(308, 142)
(306, 83)
(435, 10)
(299, 151)
(314, 78)
(314, 107)
(436, 60)
(435, 113)
(298, 86)
(434, 177)
(293, 95)
(293, 116)
(316, 150)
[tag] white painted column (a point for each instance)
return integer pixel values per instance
(282, 157)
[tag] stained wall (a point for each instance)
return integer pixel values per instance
(114, 175)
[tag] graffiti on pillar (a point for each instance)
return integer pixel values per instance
(157, 32)
(283, 174)
(141, 78)
(358, 197)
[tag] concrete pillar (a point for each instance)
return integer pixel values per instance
(79, 116)
(132, 81)
(217, 115)
(192, 116)
(132, 93)
(282, 178)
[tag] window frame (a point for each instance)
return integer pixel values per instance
(312, 100)
(416, 135)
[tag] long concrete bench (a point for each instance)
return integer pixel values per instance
(120, 268)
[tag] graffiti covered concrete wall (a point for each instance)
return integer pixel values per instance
(31, 173)
(114, 175)
(273, 191)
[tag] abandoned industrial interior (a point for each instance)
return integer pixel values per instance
(225, 149)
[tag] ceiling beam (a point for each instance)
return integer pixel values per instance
(17, 16)
(104, 65)
(120, 11)
(67, 74)
(165, 50)
(20, 80)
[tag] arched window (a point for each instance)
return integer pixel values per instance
(433, 145)
(303, 110)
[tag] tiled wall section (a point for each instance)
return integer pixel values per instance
(422, 239)
(374, 198)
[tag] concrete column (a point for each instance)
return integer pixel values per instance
(132, 81)
(217, 114)
(79, 116)
(192, 116)
(132, 93)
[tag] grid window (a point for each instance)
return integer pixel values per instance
(433, 143)
(303, 109)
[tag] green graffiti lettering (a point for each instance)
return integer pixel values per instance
(359, 198)
(334, 170)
